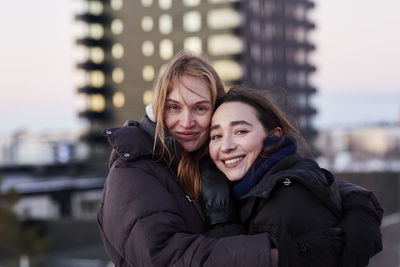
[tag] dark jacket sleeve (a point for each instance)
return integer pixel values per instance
(361, 224)
(141, 225)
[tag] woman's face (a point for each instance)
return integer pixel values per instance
(188, 112)
(237, 138)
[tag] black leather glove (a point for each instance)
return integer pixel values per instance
(215, 196)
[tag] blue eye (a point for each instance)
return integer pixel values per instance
(173, 107)
(241, 132)
(215, 137)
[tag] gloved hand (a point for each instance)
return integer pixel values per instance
(215, 196)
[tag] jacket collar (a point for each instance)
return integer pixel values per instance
(135, 140)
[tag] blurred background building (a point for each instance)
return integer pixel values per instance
(124, 45)
(121, 47)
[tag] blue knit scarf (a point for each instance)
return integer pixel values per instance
(263, 164)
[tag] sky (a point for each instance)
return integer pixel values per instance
(357, 59)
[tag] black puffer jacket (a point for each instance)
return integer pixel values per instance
(146, 219)
(299, 204)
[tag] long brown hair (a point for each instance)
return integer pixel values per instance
(184, 63)
(267, 112)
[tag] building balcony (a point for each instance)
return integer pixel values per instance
(90, 90)
(90, 65)
(90, 18)
(104, 115)
(104, 42)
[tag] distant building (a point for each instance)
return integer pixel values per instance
(124, 44)
(362, 148)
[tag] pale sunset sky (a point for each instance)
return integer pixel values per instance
(357, 59)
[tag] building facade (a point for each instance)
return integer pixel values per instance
(124, 44)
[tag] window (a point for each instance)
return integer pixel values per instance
(166, 49)
(165, 4)
(147, 3)
(95, 7)
(96, 31)
(147, 23)
(97, 102)
(255, 28)
(223, 18)
(117, 26)
(96, 78)
(96, 54)
(224, 44)
(222, 1)
(229, 70)
(255, 51)
(193, 44)
(116, 4)
(147, 97)
(117, 51)
(191, 3)
(81, 102)
(81, 53)
(148, 73)
(118, 75)
(147, 48)
(165, 24)
(192, 21)
(118, 99)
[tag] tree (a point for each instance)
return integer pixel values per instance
(15, 238)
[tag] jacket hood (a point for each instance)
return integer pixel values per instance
(306, 171)
(136, 140)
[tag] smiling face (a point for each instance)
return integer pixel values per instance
(188, 111)
(237, 138)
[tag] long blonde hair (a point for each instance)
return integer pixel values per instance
(184, 63)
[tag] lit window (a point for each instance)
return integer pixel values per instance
(117, 51)
(222, 1)
(147, 97)
(193, 44)
(147, 3)
(118, 99)
(81, 102)
(96, 31)
(80, 29)
(166, 49)
(165, 4)
(81, 53)
(191, 2)
(148, 73)
(223, 18)
(192, 21)
(117, 26)
(147, 23)
(147, 48)
(224, 44)
(118, 75)
(80, 78)
(95, 7)
(97, 102)
(165, 24)
(96, 78)
(96, 54)
(116, 4)
(229, 70)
